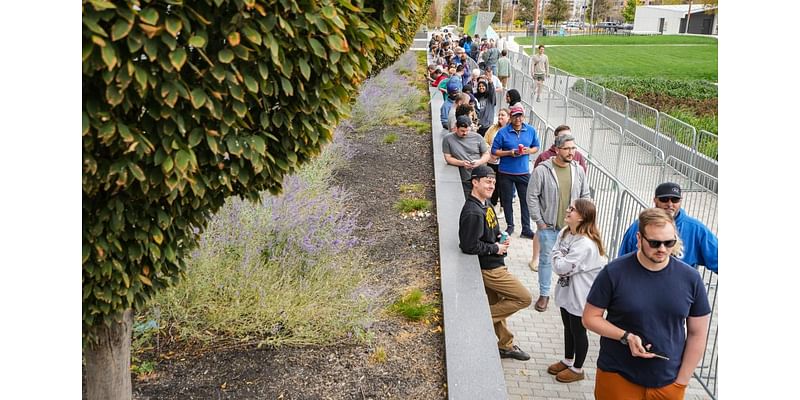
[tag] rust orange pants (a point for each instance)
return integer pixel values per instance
(612, 386)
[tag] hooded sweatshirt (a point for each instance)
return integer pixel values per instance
(478, 231)
(486, 105)
(543, 191)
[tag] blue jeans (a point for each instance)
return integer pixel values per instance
(547, 239)
(507, 184)
(494, 69)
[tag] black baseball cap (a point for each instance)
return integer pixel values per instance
(463, 121)
(482, 171)
(668, 189)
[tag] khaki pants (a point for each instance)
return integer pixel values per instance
(612, 386)
(506, 295)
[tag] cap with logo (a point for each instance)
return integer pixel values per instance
(668, 189)
(516, 110)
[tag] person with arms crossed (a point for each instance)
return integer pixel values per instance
(479, 233)
(494, 161)
(700, 246)
(658, 313)
(554, 184)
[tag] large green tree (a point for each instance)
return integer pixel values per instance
(629, 11)
(450, 13)
(525, 10)
(557, 11)
(187, 103)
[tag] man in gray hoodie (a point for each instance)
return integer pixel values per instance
(554, 184)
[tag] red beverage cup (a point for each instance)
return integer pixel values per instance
(521, 148)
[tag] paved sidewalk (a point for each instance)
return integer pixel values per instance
(541, 335)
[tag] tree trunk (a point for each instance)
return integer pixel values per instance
(108, 363)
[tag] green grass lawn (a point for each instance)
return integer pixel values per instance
(612, 39)
(632, 56)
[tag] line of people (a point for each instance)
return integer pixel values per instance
(650, 292)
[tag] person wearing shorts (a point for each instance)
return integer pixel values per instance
(540, 65)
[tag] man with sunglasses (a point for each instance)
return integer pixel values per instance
(658, 313)
(699, 243)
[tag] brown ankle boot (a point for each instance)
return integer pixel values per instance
(541, 304)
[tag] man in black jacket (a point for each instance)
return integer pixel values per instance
(479, 233)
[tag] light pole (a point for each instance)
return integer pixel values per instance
(688, 16)
(459, 15)
(513, 3)
(591, 21)
(501, 16)
(535, 25)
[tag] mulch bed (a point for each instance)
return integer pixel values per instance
(403, 254)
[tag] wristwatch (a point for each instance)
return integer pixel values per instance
(624, 339)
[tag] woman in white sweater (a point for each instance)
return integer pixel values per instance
(578, 256)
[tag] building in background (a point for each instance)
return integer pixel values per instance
(671, 19)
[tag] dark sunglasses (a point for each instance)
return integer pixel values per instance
(655, 244)
(672, 200)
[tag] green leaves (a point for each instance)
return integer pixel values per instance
(304, 68)
(225, 56)
(338, 43)
(252, 84)
(197, 41)
(177, 58)
(182, 159)
(109, 56)
(198, 98)
(184, 106)
(121, 29)
(319, 51)
(173, 26)
(252, 35)
(149, 16)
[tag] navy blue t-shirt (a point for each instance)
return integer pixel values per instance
(652, 305)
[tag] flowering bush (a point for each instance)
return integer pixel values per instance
(389, 95)
(280, 271)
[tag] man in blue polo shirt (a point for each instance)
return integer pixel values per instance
(700, 246)
(513, 169)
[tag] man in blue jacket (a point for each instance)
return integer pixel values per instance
(700, 246)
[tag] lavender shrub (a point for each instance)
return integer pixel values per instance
(281, 271)
(387, 96)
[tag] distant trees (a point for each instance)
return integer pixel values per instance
(629, 11)
(557, 11)
(602, 9)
